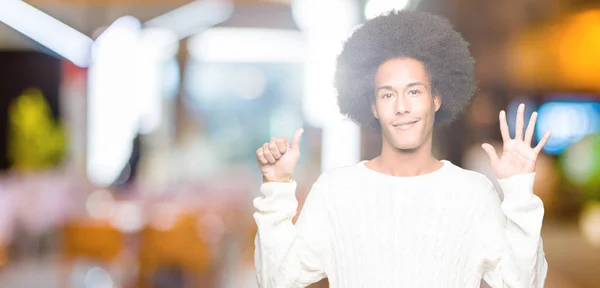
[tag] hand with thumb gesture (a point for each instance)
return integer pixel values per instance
(277, 158)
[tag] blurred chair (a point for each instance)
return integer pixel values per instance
(97, 241)
(178, 246)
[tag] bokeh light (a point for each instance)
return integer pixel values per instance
(590, 223)
(100, 204)
(568, 121)
(581, 165)
(375, 8)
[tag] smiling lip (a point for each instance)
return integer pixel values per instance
(405, 124)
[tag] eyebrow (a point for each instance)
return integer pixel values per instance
(415, 84)
(412, 84)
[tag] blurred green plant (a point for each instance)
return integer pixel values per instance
(35, 140)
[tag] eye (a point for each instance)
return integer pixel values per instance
(414, 92)
(387, 95)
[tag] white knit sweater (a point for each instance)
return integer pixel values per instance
(362, 228)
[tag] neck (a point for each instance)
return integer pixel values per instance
(406, 163)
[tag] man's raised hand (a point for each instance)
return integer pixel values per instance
(277, 158)
(518, 157)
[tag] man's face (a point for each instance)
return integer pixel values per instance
(404, 103)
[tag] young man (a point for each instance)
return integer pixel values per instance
(404, 218)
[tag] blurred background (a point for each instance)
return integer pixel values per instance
(128, 128)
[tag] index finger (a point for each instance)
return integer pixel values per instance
(282, 145)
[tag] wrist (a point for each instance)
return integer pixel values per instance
(285, 179)
(520, 185)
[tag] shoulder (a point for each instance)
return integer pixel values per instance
(480, 192)
(342, 172)
(340, 178)
(473, 181)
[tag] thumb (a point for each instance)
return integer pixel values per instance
(296, 139)
(489, 149)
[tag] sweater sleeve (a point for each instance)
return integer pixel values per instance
(288, 255)
(512, 249)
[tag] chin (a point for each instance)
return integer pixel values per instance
(407, 147)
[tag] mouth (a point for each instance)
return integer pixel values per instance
(405, 125)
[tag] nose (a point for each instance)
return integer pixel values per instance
(402, 106)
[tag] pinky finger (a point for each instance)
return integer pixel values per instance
(542, 142)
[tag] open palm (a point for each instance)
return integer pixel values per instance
(518, 157)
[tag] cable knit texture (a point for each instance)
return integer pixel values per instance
(362, 228)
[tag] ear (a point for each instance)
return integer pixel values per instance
(374, 110)
(437, 102)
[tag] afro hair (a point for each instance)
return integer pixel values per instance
(427, 38)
